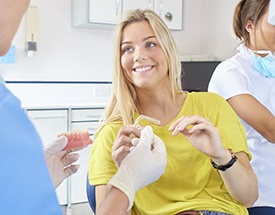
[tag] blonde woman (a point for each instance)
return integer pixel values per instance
(208, 169)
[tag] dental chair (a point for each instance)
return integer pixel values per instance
(261, 210)
(90, 191)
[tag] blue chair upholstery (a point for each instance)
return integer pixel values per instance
(261, 211)
(90, 190)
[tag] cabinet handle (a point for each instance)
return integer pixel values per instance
(160, 7)
(93, 116)
(47, 117)
(168, 17)
(117, 6)
(150, 4)
(91, 128)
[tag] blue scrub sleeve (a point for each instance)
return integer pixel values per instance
(25, 183)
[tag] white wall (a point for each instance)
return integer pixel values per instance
(70, 54)
(217, 28)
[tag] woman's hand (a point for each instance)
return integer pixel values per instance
(201, 133)
(240, 180)
(123, 143)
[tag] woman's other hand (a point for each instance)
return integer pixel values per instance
(201, 133)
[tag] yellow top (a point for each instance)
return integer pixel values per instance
(189, 181)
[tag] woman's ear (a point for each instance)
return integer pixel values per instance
(249, 26)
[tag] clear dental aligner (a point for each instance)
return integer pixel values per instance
(150, 119)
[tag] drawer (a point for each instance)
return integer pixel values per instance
(49, 123)
(47, 114)
(92, 114)
(91, 126)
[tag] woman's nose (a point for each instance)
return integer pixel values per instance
(139, 59)
(139, 56)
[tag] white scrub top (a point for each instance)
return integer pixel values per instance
(237, 76)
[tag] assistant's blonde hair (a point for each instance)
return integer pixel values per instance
(122, 104)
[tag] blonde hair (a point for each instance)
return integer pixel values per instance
(122, 105)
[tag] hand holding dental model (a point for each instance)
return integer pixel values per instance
(60, 161)
(59, 157)
(133, 175)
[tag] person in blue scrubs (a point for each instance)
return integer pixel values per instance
(25, 183)
(30, 174)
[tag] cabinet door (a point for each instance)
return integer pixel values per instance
(105, 11)
(78, 180)
(83, 119)
(129, 5)
(48, 124)
(171, 11)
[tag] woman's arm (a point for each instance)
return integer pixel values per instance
(100, 194)
(120, 150)
(144, 164)
(240, 180)
(255, 114)
(116, 202)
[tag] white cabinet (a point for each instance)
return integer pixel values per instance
(141, 4)
(49, 123)
(53, 110)
(171, 11)
(106, 13)
(95, 13)
(82, 118)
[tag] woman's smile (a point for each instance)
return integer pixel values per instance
(142, 69)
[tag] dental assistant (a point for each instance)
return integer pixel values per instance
(247, 82)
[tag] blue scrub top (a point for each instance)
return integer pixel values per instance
(25, 184)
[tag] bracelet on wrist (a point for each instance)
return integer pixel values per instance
(228, 165)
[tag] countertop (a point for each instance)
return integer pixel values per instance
(60, 95)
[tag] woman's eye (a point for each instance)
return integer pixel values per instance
(150, 44)
(127, 49)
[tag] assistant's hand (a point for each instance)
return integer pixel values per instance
(142, 166)
(60, 161)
